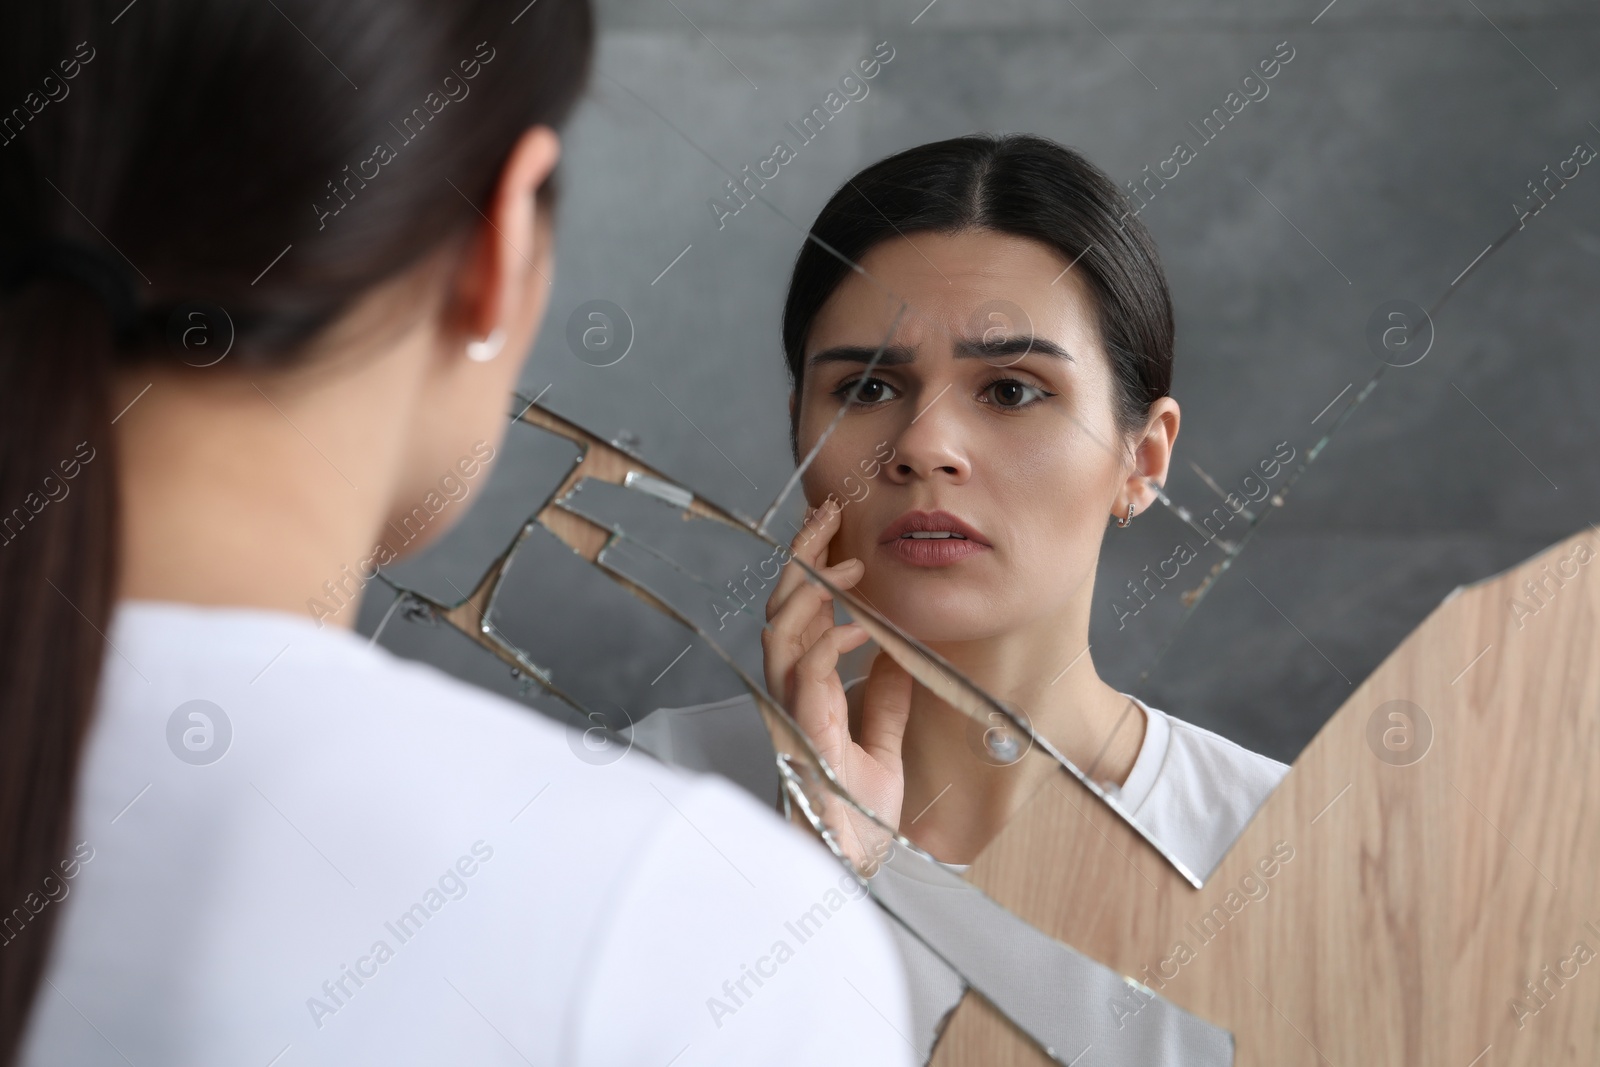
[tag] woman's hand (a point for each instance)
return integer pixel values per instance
(802, 647)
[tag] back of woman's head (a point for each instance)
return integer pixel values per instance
(161, 160)
(1017, 184)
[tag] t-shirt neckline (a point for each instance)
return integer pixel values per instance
(1131, 794)
(1141, 779)
(224, 625)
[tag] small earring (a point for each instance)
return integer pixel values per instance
(1129, 519)
(485, 350)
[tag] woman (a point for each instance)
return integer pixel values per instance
(1025, 397)
(267, 275)
(1022, 398)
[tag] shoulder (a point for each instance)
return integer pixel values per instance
(387, 751)
(1204, 792)
(1227, 760)
(722, 917)
(333, 808)
(359, 809)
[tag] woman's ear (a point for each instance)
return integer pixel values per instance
(505, 276)
(1152, 455)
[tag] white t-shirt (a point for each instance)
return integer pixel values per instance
(1193, 790)
(361, 860)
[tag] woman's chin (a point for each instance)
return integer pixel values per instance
(942, 616)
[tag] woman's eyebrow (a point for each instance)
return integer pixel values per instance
(1010, 346)
(893, 355)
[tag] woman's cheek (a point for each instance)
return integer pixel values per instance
(839, 547)
(859, 544)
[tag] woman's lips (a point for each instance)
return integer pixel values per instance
(933, 552)
(932, 539)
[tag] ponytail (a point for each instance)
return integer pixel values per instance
(58, 572)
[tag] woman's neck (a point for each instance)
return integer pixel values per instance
(254, 491)
(959, 792)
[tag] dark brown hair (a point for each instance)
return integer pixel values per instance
(160, 155)
(1017, 184)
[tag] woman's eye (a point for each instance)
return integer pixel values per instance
(873, 391)
(1010, 393)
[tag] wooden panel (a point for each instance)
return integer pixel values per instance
(1419, 898)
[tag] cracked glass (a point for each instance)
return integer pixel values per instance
(662, 502)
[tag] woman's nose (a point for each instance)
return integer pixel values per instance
(933, 444)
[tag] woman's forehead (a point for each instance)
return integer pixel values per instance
(958, 289)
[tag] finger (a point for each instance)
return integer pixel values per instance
(811, 545)
(793, 626)
(885, 710)
(812, 599)
(796, 625)
(790, 632)
(843, 576)
(816, 697)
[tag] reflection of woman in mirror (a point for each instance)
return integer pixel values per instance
(1020, 404)
(1024, 394)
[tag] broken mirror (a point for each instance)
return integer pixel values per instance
(1019, 442)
